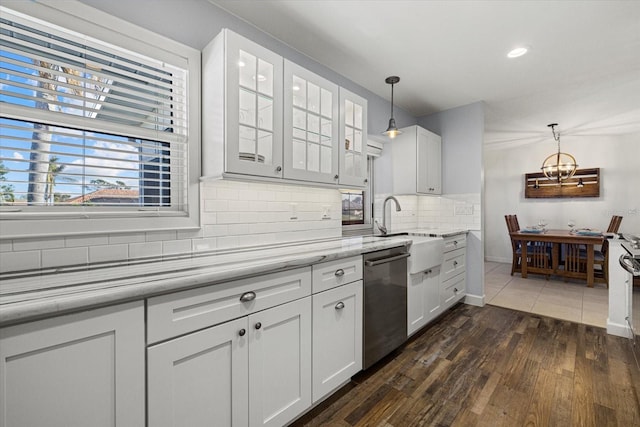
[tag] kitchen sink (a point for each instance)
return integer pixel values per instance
(426, 252)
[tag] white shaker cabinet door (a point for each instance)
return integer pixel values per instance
(200, 379)
(310, 126)
(337, 337)
(84, 369)
(280, 363)
(423, 298)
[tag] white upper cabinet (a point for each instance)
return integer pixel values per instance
(311, 126)
(416, 162)
(242, 108)
(353, 139)
(264, 116)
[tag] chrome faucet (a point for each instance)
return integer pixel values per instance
(383, 227)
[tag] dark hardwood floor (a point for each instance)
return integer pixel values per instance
(493, 366)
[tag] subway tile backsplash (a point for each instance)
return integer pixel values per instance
(233, 214)
(240, 214)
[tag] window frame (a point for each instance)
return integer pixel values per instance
(368, 202)
(81, 18)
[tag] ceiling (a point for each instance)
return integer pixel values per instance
(582, 70)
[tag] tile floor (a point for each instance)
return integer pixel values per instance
(572, 301)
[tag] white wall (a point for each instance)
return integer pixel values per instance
(618, 158)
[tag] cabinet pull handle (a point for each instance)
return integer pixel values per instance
(455, 243)
(339, 272)
(258, 325)
(427, 272)
(242, 331)
(248, 296)
(279, 169)
(455, 263)
(336, 177)
(340, 305)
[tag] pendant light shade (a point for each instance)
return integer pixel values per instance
(392, 130)
(558, 166)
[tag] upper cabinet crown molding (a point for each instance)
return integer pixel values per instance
(265, 117)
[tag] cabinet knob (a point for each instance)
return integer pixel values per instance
(248, 296)
(258, 325)
(455, 243)
(336, 177)
(340, 305)
(455, 290)
(339, 272)
(455, 263)
(242, 331)
(279, 169)
(366, 180)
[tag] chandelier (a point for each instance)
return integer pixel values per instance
(558, 166)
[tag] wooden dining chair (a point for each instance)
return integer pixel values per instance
(614, 225)
(538, 253)
(516, 258)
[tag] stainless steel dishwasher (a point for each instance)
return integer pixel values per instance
(385, 303)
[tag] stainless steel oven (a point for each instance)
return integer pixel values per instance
(385, 303)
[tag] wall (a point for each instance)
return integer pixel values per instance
(462, 132)
(234, 214)
(196, 22)
(616, 156)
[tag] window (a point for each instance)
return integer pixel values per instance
(357, 204)
(92, 128)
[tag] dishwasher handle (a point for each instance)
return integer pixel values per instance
(384, 260)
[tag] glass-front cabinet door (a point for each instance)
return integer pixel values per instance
(353, 131)
(254, 108)
(310, 126)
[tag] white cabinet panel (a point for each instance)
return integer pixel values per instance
(337, 337)
(416, 158)
(242, 108)
(201, 379)
(423, 298)
(311, 123)
(353, 139)
(280, 363)
(84, 369)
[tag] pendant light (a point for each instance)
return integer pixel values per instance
(558, 166)
(392, 131)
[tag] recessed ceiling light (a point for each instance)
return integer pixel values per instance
(519, 51)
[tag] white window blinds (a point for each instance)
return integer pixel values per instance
(86, 123)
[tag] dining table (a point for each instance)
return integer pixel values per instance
(557, 238)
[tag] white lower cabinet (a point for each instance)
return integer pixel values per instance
(84, 369)
(201, 379)
(337, 337)
(252, 371)
(423, 298)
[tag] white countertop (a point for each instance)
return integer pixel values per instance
(33, 295)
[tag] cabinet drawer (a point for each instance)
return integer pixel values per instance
(452, 290)
(454, 264)
(335, 273)
(182, 312)
(452, 243)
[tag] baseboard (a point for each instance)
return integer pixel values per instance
(618, 329)
(476, 300)
(498, 259)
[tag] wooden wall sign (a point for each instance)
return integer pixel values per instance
(538, 186)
